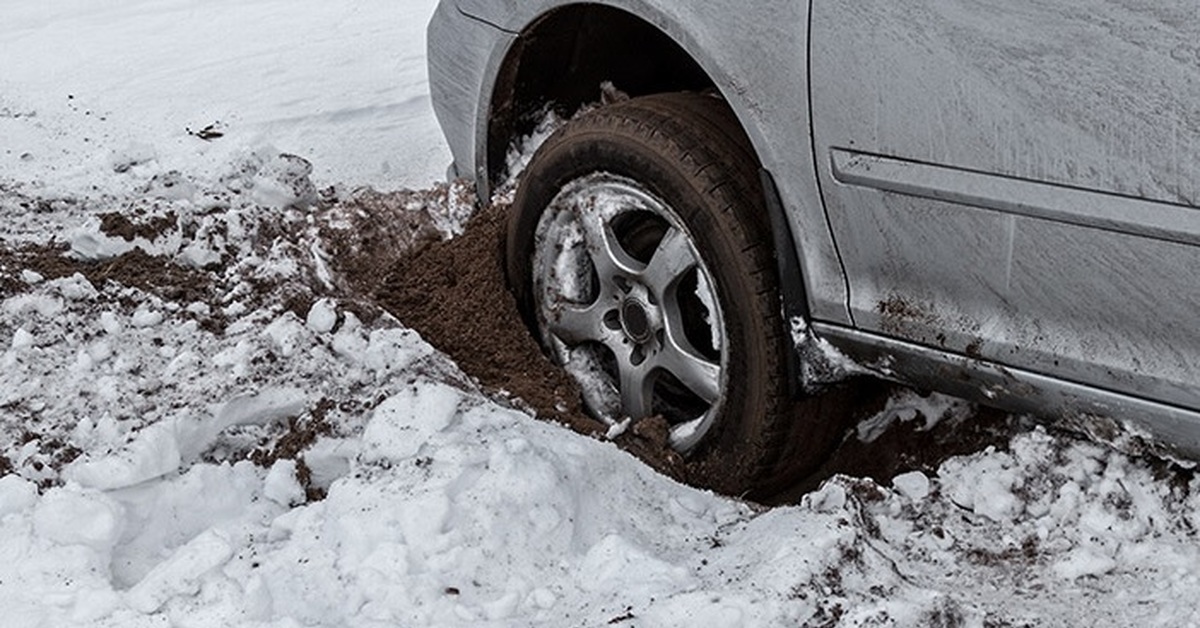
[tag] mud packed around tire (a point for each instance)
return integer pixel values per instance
(392, 254)
(453, 292)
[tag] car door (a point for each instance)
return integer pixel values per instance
(1018, 180)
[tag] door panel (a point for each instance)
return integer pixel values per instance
(1016, 180)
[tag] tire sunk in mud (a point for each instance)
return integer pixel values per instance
(639, 252)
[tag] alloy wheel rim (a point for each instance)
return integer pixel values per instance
(628, 307)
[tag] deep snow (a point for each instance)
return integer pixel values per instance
(128, 415)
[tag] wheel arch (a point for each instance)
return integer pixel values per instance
(559, 58)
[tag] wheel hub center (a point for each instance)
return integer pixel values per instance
(635, 321)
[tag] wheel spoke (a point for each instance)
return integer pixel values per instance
(672, 258)
(575, 324)
(698, 374)
(624, 299)
(608, 256)
(637, 389)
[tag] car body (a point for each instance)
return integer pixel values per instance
(998, 200)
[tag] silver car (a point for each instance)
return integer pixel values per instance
(997, 200)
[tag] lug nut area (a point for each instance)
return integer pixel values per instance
(635, 321)
(636, 316)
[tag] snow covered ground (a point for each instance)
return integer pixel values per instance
(229, 437)
(90, 86)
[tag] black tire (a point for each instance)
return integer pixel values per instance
(688, 151)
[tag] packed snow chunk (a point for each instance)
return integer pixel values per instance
(541, 598)
(262, 408)
(236, 358)
(164, 515)
(76, 288)
(906, 406)
(286, 334)
(153, 452)
(71, 516)
(170, 186)
(282, 181)
(914, 485)
(22, 339)
(983, 483)
(31, 277)
(16, 494)
(181, 573)
(1082, 562)
(92, 605)
(831, 497)
(110, 323)
(393, 350)
(281, 485)
(349, 342)
(91, 433)
(42, 305)
(322, 316)
(618, 428)
(199, 254)
(407, 420)
(614, 564)
(146, 318)
(89, 243)
(329, 459)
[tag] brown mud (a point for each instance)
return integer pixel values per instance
(388, 253)
(453, 292)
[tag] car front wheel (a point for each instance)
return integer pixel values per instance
(639, 251)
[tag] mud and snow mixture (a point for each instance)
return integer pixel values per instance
(207, 419)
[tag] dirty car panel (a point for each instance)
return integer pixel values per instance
(994, 199)
(1016, 182)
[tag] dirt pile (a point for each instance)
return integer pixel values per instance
(454, 294)
(393, 251)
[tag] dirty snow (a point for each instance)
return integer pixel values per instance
(144, 432)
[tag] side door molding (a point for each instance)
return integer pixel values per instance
(1022, 197)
